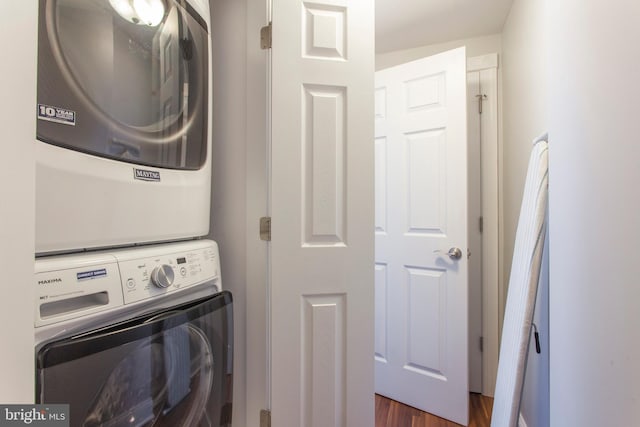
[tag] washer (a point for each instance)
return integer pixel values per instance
(138, 337)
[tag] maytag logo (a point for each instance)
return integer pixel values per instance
(146, 175)
(49, 281)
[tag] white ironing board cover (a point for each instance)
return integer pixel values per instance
(523, 287)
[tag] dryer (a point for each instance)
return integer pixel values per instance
(123, 142)
(136, 337)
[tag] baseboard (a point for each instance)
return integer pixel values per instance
(521, 421)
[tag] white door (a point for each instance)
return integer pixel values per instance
(322, 200)
(421, 326)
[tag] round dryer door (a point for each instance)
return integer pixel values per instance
(129, 77)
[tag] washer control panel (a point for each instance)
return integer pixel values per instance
(77, 285)
(160, 273)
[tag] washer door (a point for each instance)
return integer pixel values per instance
(174, 368)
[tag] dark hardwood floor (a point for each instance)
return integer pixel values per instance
(390, 413)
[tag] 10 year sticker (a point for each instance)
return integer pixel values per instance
(56, 114)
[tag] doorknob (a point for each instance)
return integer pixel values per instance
(454, 253)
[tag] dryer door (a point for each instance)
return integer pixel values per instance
(125, 80)
(173, 368)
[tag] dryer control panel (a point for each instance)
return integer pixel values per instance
(78, 285)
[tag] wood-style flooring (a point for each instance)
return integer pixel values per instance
(390, 413)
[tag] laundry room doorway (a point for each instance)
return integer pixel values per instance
(281, 330)
(422, 256)
(420, 308)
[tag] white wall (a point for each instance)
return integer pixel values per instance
(475, 47)
(594, 213)
(525, 116)
(525, 104)
(18, 31)
(228, 208)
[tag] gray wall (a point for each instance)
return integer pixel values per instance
(228, 209)
(525, 105)
(594, 210)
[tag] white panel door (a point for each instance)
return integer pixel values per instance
(421, 213)
(322, 199)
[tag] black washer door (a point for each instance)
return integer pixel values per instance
(171, 369)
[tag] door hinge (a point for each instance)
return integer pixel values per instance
(481, 97)
(481, 224)
(265, 228)
(481, 344)
(265, 37)
(265, 418)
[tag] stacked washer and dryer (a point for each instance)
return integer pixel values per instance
(132, 326)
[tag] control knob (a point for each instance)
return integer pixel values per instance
(162, 276)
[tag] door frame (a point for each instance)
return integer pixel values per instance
(491, 177)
